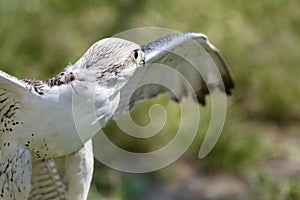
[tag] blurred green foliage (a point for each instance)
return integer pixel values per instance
(259, 39)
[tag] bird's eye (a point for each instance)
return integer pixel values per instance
(135, 54)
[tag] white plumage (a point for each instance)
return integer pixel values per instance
(44, 155)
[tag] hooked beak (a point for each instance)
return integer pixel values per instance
(143, 61)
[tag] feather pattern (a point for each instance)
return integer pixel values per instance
(46, 182)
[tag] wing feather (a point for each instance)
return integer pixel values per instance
(14, 95)
(195, 62)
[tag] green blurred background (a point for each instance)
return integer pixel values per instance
(257, 156)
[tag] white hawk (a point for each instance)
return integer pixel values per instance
(42, 153)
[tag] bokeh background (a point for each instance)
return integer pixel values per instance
(257, 155)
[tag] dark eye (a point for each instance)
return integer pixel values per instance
(135, 54)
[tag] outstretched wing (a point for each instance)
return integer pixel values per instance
(14, 94)
(180, 65)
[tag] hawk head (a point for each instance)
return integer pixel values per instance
(109, 61)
